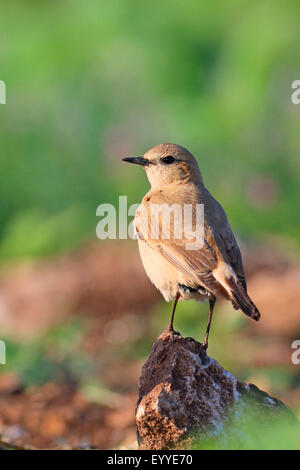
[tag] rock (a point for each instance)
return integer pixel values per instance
(184, 394)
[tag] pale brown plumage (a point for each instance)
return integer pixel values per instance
(214, 270)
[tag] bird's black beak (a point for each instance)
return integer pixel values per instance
(137, 160)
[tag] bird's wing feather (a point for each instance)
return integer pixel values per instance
(225, 238)
(197, 264)
(235, 258)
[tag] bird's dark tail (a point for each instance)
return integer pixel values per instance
(241, 300)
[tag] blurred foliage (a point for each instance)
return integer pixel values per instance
(89, 82)
(55, 355)
(251, 434)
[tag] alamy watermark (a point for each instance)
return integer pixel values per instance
(295, 96)
(296, 354)
(2, 352)
(2, 92)
(153, 221)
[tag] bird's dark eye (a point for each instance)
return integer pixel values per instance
(169, 159)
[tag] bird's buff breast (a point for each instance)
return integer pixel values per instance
(164, 276)
(158, 270)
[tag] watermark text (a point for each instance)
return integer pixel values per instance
(152, 222)
(2, 92)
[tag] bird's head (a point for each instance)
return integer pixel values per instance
(168, 163)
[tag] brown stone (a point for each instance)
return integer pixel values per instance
(184, 393)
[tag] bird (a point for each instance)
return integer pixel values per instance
(212, 270)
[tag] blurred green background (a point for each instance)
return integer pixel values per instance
(91, 82)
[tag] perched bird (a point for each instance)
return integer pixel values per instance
(215, 268)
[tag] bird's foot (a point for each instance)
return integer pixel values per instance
(192, 340)
(173, 334)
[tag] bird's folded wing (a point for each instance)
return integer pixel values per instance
(223, 236)
(196, 264)
(231, 248)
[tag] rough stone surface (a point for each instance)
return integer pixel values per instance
(184, 393)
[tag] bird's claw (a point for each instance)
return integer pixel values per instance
(173, 334)
(189, 338)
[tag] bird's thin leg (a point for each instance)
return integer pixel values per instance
(212, 302)
(170, 327)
